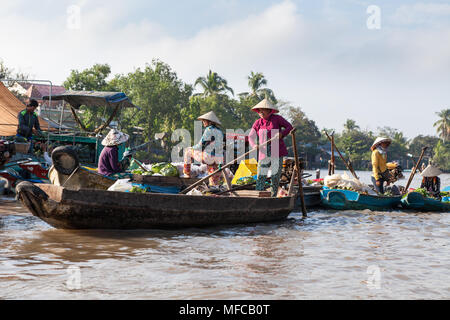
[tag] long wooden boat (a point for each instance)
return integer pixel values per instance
(85, 178)
(349, 200)
(99, 209)
(416, 201)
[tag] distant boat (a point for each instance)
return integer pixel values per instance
(416, 201)
(339, 199)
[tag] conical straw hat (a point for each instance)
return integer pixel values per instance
(114, 138)
(431, 171)
(210, 116)
(265, 104)
(378, 141)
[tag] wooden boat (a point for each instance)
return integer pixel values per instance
(416, 201)
(85, 178)
(311, 195)
(99, 209)
(350, 200)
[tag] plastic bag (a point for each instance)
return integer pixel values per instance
(123, 185)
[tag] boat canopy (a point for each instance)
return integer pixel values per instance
(76, 99)
(94, 99)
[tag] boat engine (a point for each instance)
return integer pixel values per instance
(7, 150)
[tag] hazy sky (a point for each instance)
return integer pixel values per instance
(336, 59)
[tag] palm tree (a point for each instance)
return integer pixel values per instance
(255, 83)
(213, 84)
(350, 125)
(443, 124)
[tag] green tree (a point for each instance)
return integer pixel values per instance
(307, 133)
(350, 125)
(442, 156)
(443, 124)
(213, 84)
(256, 81)
(162, 97)
(419, 142)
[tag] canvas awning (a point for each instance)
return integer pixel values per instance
(76, 99)
(10, 107)
(93, 99)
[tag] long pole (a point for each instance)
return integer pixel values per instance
(415, 169)
(332, 154)
(227, 165)
(299, 177)
(348, 165)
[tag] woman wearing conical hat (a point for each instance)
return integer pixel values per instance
(268, 158)
(379, 163)
(209, 149)
(431, 182)
(108, 162)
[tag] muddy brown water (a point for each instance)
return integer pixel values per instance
(329, 255)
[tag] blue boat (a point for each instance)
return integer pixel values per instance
(339, 199)
(416, 201)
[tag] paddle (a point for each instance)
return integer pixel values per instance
(192, 186)
(347, 164)
(297, 169)
(414, 170)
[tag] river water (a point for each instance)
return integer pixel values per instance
(328, 255)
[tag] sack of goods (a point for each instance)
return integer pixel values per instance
(337, 181)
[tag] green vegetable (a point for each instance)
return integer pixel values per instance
(137, 171)
(136, 189)
(169, 170)
(423, 192)
(156, 168)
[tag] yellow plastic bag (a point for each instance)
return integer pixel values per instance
(246, 168)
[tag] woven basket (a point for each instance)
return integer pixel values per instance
(22, 147)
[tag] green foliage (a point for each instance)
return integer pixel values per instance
(443, 124)
(419, 142)
(442, 156)
(213, 84)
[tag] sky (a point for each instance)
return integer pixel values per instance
(378, 62)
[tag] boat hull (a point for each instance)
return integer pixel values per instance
(99, 209)
(415, 201)
(349, 200)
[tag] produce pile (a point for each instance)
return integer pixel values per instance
(163, 168)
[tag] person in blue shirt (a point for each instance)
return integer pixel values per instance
(208, 150)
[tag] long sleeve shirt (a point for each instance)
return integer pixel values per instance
(211, 141)
(378, 164)
(27, 121)
(108, 163)
(262, 129)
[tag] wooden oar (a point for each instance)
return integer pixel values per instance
(414, 170)
(227, 165)
(347, 164)
(299, 177)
